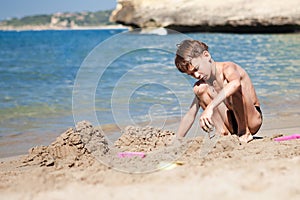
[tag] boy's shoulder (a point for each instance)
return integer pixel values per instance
(228, 65)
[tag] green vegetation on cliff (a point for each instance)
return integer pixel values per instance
(29, 20)
(62, 20)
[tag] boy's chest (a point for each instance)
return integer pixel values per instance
(219, 83)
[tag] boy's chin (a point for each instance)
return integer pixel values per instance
(203, 78)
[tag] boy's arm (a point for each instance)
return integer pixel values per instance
(234, 82)
(188, 119)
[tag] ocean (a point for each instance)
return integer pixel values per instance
(52, 79)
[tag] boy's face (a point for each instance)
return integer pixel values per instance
(200, 67)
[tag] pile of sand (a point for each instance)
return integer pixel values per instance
(144, 139)
(161, 148)
(85, 145)
(71, 148)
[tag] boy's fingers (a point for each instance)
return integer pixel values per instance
(208, 123)
(205, 129)
(203, 125)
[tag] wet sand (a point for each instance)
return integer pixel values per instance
(83, 163)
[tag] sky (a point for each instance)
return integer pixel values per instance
(21, 8)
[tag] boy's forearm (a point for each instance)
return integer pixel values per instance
(185, 125)
(227, 91)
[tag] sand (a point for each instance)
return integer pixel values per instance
(82, 163)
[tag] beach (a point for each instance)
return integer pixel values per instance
(263, 168)
(56, 83)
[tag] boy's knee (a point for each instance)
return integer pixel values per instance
(255, 124)
(200, 89)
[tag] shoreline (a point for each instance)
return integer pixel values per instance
(285, 125)
(266, 133)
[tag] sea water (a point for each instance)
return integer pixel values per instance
(52, 79)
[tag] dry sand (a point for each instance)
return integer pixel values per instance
(83, 164)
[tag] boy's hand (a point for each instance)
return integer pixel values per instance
(206, 120)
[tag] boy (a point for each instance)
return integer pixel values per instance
(224, 91)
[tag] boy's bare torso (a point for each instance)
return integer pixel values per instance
(220, 82)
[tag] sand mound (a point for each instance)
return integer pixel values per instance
(71, 148)
(144, 139)
(84, 144)
(159, 146)
(228, 143)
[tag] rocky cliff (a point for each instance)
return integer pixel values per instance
(214, 15)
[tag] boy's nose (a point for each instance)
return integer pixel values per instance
(196, 75)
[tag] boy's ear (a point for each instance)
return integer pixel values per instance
(206, 53)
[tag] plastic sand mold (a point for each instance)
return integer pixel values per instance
(288, 137)
(168, 166)
(130, 154)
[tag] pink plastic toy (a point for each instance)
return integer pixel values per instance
(130, 154)
(288, 137)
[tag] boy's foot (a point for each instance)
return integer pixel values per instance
(246, 138)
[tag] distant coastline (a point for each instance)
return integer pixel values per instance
(42, 28)
(62, 21)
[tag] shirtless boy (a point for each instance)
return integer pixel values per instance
(223, 90)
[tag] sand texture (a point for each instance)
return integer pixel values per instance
(83, 163)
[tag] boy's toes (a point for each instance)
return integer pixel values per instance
(246, 138)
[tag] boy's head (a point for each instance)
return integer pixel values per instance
(186, 51)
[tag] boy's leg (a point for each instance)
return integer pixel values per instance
(247, 117)
(253, 116)
(219, 118)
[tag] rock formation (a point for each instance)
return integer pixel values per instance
(215, 15)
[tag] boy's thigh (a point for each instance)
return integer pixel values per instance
(228, 117)
(232, 124)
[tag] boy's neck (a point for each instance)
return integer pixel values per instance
(213, 72)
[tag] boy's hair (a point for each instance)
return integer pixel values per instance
(186, 51)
